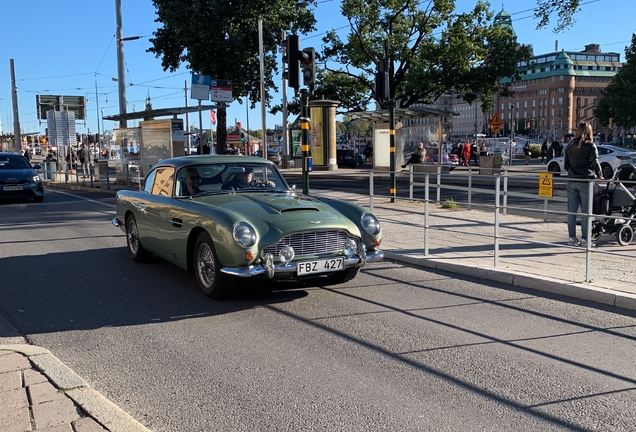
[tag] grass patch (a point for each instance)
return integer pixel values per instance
(449, 204)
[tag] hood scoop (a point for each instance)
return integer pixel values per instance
(297, 209)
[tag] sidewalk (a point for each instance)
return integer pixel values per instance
(39, 393)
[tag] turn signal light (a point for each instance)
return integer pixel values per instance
(249, 256)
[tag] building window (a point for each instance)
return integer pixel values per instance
(561, 77)
(560, 112)
(594, 101)
(502, 107)
(552, 101)
(517, 106)
(534, 104)
(585, 103)
(585, 112)
(560, 124)
(578, 101)
(525, 104)
(560, 101)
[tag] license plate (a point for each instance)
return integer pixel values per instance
(12, 188)
(320, 266)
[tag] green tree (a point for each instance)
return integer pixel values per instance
(618, 103)
(564, 9)
(431, 49)
(220, 39)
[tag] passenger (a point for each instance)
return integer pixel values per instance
(418, 156)
(192, 180)
(245, 179)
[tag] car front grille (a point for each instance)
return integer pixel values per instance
(312, 242)
(19, 182)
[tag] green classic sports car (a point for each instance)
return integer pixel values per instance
(231, 217)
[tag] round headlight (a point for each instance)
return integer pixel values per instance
(36, 178)
(244, 234)
(286, 254)
(370, 224)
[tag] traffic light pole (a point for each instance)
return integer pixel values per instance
(304, 126)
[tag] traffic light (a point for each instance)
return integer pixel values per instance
(291, 47)
(382, 81)
(308, 65)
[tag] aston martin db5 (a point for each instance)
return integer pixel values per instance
(232, 217)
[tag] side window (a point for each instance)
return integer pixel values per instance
(163, 181)
(149, 181)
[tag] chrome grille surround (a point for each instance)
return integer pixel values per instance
(312, 242)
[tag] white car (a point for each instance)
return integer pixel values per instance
(610, 157)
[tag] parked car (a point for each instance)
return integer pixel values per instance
(188, 215)
(272, 155)
(609, 156)
(18, 178)
(346, 157)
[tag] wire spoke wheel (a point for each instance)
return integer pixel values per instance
(207, 269)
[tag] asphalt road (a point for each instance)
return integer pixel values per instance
(398, 348)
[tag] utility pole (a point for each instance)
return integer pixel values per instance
(17, 137)
(263, 98)
(99, 132)
(121, 77)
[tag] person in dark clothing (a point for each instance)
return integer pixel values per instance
(544, 151)
(557, 148)
(581, 163)
(527, 152)
(417, 156)
(474, 150)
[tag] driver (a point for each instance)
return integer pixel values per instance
(245, 179)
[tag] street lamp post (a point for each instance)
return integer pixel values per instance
(121, 84)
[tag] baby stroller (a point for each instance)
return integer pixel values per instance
(619, 201)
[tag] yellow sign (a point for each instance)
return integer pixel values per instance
(545, 185)
(496, 123)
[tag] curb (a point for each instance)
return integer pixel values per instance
(90, 401)
(576, 290)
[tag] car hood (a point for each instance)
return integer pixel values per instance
(17, 174)
(281, 210)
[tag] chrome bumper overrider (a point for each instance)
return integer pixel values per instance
(270, 269)
(116, 222)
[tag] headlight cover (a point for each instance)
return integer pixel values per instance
(370, 224)
(244, 234)
(36, 179)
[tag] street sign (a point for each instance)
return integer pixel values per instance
(496, 123)
(200, 87)
(221, 91)
(545, 185)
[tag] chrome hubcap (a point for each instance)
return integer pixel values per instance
(206, 265)
(133, 237)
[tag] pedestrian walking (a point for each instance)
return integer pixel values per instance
(544, 151)
(416, 156)
(466, 154)
(474, 150)
(27, 154)
(581, 163)
(84, 159)
(527, 152)
(557, 148)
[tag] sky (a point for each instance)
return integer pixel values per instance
(69, 48)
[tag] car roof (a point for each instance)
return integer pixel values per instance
(621, 149)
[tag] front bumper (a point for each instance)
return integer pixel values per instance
(269, 269)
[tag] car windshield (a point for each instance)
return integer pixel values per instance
(13, 162)
(217, 178)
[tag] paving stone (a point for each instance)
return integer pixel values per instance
(10, 381)
(55, 413)
(87, 424)
(32, 377)
(44, 392)
(14, 419)
(14, 362)
(14, 398)
(58, 428)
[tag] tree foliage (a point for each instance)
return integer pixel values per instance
(431, 50)
(618, 103)
(564, 9)
(219, 38)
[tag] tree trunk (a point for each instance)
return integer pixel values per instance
(221, 130)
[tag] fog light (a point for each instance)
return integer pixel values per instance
(349, 247)
(249, 256)
(286, 254)
(376, 243)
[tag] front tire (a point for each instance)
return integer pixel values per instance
(207, 269)
(554, 168)
(135, 249)
(624, 235)
(343, 276)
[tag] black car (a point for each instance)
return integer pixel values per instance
(346, 157)
(272, 154)
(18, 178)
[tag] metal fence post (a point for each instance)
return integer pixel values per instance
(470, 186)
(439, 183)
(371, 191)
(497, 198)
(411, 181)
(588, 249)
(505, 192)
(426, 195)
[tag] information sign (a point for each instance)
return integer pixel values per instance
(545, 185)
(200, 87)
(221, 91)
